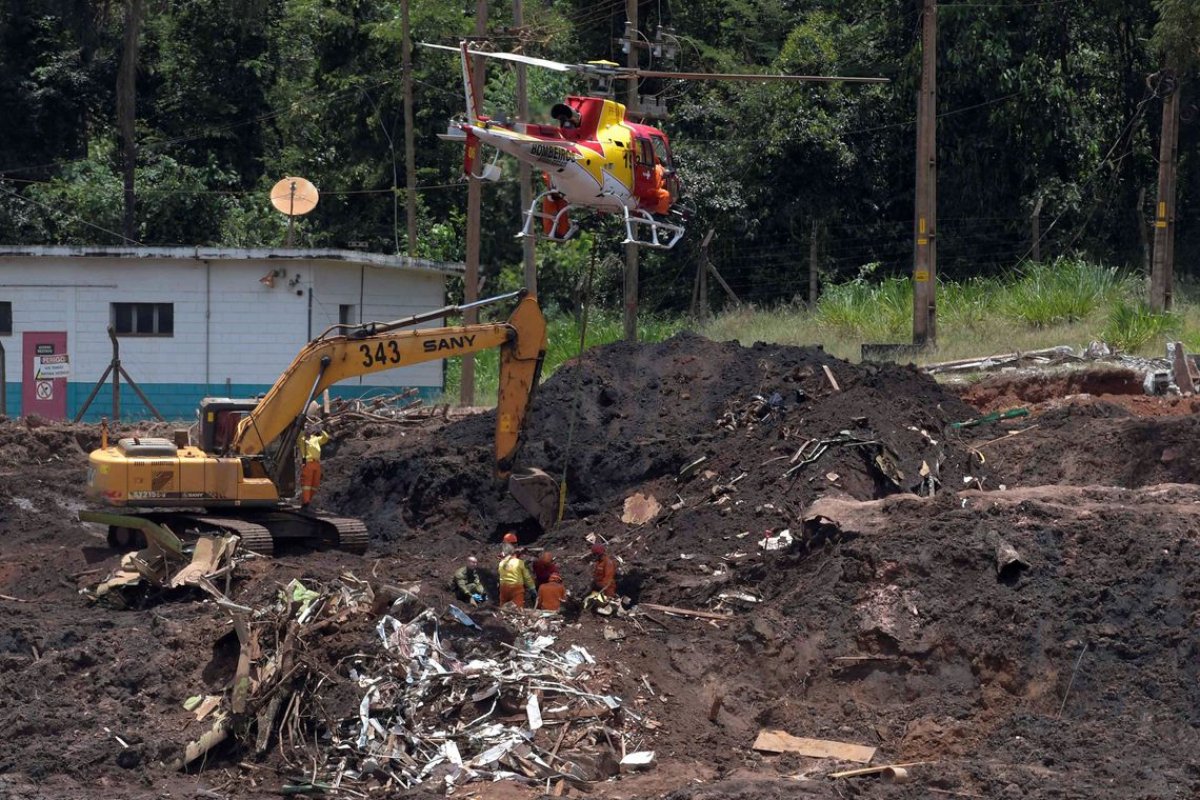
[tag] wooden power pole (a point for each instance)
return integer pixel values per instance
(410, 160)
(925, 222)
(127, 112)
(524, 172)
(631, 250)
(474, 212)
(1162, 267)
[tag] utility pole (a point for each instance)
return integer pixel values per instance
(701, 311)
(631, 250)
(814, 255)
(1162, 269)
(524, 172)
(474, 212)
(1035, 219)
(410, 160)
(925, 223)
(127, 112)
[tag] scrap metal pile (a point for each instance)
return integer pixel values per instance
(435, 696)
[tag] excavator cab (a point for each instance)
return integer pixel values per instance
(219, 418)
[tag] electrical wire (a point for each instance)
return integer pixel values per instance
(74, 217)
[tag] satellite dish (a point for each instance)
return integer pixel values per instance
(294, 197)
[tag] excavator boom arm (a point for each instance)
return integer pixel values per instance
(325, 362)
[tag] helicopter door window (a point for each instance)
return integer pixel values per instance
(645, 156)
(660, 150)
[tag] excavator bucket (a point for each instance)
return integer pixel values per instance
(537, 493)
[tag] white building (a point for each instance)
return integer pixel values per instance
(192, 322)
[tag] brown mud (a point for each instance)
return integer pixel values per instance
(1073, 675)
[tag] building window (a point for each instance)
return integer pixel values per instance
(346, 315)
(144, 319)
(5, 318)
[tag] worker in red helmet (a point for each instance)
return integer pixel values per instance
(543, 567)
(604, 572)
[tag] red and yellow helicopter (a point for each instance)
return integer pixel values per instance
(595, 158)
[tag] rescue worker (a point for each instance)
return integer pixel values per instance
(468, 585)
(310, 473)
(604, 572)
(543, 568)
(551, 593)
(567, 117)
(515, 579)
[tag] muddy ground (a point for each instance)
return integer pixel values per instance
(1074, 674)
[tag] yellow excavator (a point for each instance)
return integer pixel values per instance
(236, 477)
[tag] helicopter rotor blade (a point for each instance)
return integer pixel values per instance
(726, 76)
(517, 57)
(626, 73)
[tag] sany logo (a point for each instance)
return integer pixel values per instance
(449, 343)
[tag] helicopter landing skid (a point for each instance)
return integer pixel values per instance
(551, 223)
(661, 234)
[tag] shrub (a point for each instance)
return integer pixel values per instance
(1130, 326)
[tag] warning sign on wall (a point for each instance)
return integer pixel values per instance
(47, 367)
(45, 390)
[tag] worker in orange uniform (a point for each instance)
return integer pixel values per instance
(310, 473)
(604, 572)
(551, 593)
(515, 579)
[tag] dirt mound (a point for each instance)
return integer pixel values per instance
(643, 412)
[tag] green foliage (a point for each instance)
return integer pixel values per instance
(1068, 290)
(1037, 101)
(1177, 32)
(1132, 326)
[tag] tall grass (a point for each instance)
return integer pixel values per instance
(1067, 290)
(882, 310)
(1069, 301)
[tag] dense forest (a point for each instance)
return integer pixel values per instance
(1054, 105)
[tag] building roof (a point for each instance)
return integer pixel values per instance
(233, 254)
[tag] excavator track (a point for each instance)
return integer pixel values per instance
(352, 535)
(254, 537)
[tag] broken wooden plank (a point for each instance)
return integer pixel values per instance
(832, 380)
(783, 742)
(686, 612)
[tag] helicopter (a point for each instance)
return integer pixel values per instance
(596, 158)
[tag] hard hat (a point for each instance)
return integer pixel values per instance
(510, 537)
(597, 549)
(472, 560)
(554, 576)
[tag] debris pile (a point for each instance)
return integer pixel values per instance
(436, 697)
